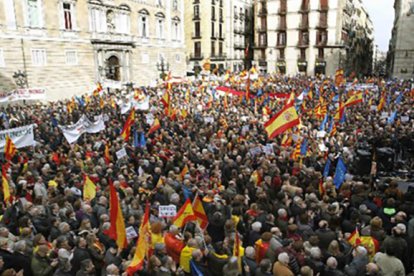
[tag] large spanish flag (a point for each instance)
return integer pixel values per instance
(155, 126)
(143, 244)
(126, 131)
(282, 121)
(5, 183)
(184, 215)
(354, 99)
(89, 188)
(200, 213)
(117, 230)
(9, 148)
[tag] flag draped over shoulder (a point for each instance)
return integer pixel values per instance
(126, 131)
(143, 244)
(200, 213)
(89, 188)
(117, 230)
(9, 148)
(5, 184)
(285, 119)
(184, 215)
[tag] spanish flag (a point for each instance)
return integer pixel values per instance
(296, 152)
(282, 121)
(166, 101)
(9, 148)
(117, 230)
(286, 140)
(340, 112)
(184, 215)
(184, 172)
(155, 126)
(6, 188)
(89, 188)
(143, 244)
(126, 131)
(339, 77)
(200, 213)
(355, 238)
(381, 103)
(354, 99)
(107, 155)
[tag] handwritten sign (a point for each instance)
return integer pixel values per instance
(131, 233)
(167, 211)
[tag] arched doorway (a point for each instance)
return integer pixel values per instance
(113, 68)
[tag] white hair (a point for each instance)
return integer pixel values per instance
(283, 258)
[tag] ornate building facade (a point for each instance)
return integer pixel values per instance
(66, 46)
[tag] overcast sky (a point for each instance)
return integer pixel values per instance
(381, 13)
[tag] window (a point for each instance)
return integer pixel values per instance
(213, 30)
(10, 14)
(320, 53)
(196, 11)
(197, 49)
(160, 28)
(176, 30)
(175, 5)
(221, 30)
(67, 16)
(213, 13)
(213, 48)
(178, 58)
(98, 21)
(39, 57)
(220, 48)
(145, 58)
(143, 28)
(302, 53)
(122, 23)
(282, 54)
(262, 39)
(197, 29)
(33, 13)
(71, 58)
(2, 63)
(281, 38)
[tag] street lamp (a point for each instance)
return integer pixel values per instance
(20, 78)
(163, 67)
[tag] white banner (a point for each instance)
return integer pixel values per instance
(84, 125)
(21, 136)
(23, 94)
(142, 105)
(121, 153)
(167, 211)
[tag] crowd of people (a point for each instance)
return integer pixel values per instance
(290, 217)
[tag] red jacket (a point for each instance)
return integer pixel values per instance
(173, 246)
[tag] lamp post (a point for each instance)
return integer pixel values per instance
(20, 78)
(163, 67)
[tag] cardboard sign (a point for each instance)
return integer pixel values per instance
(167, 211)
(131, 233)
(121, 153)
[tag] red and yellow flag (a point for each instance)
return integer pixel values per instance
(200, 213)
(236, 250)
(340, 112)
(354, 99)
(339, 77)
(143, 244)
(184, 172)
(107, 155)
(155, 126)
(355, 238)
(282, 121)
(89, 188)
(9, 148)
(184, 215)
(5, 183)
(126, 131)
(286, 140)
(381, 103)
(321, 188)
(296, 152)
(117, 230)
(166, 101)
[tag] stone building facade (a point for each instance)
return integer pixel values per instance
(309, 36)
(66, 46)
(400, 59)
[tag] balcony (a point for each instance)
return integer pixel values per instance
(213, 17)
(323, 8)
(260, 45)
(219, 56)
(214, 35)
(196, 35)
(221, 20)
(262, 12)
(221, 37)
(301, 59)
(304, 9)
(261, 29)
(304, 25)
(303, 43)
(197, 56)
(238, 45)
(281, 26)
(281, 45)
(321, 43)
(322, 25)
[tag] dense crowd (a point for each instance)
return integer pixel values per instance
(288, 214)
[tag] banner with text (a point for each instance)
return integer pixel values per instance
(84, 125)
(21, 136)
(23, 94)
